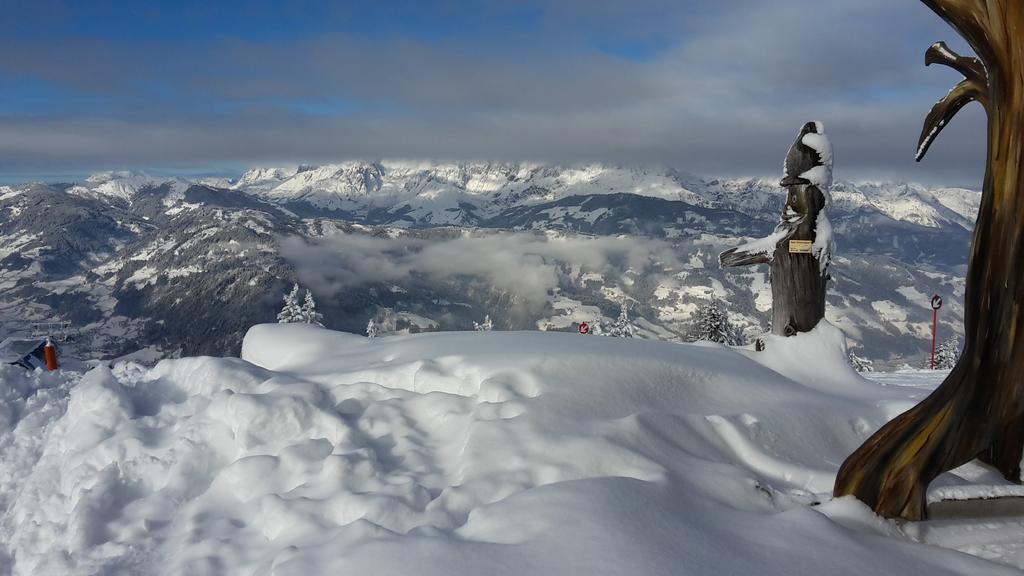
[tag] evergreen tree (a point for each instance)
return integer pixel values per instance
(372, 329)
(622, 328)
(291, 312)
(947, 354)
(485, 326)
(713, 326)
(309, 313)
(860, 364)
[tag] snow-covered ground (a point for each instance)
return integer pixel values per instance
(322, 452)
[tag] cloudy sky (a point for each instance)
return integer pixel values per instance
(717, 87)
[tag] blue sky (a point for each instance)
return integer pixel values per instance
(714, 87)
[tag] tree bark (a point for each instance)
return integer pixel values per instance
(978, 411)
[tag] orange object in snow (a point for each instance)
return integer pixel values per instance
(50, 353)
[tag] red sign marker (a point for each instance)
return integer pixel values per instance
(584, 328)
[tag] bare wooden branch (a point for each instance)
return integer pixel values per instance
(972, 68)
(961, 95)
(734, 257)
(793, 180)
(969, 18)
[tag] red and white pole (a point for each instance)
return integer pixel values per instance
(936, 304)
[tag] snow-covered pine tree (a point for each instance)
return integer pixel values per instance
(709, 321)
(485, 326)
(713, 325)
(622, 328)
(947, 354)
(291, 311)
(860, 364)
(309, 313)
(372, 329)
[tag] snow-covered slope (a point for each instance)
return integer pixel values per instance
(912, 203)
(455, 454)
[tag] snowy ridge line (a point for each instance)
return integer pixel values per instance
(432, 188)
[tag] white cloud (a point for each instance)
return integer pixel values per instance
(526, 265)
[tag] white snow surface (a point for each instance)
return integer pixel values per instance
(499, 453)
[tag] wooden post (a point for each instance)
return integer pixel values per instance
(799, 251)
(978, 411)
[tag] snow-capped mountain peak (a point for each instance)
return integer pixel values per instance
(125, 185)
(438, 193)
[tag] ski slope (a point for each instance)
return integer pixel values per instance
(498, 453)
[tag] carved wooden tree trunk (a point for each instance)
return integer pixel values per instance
(797, 279)
(798, 283)
(978, 411)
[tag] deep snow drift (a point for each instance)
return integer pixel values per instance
(456, 453)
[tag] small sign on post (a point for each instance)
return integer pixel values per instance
(936, 304)
(584, 328)
(800, 246)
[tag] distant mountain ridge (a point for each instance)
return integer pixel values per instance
(489, 187)
(185, 266)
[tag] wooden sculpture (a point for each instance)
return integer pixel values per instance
(800, 249)
(978, 411)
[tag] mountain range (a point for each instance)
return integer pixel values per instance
(184, 266)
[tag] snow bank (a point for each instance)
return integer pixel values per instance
(820, 175)
(824, 241)
(454, 453)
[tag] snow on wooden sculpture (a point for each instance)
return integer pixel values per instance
(978, 411)
(800, 250)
